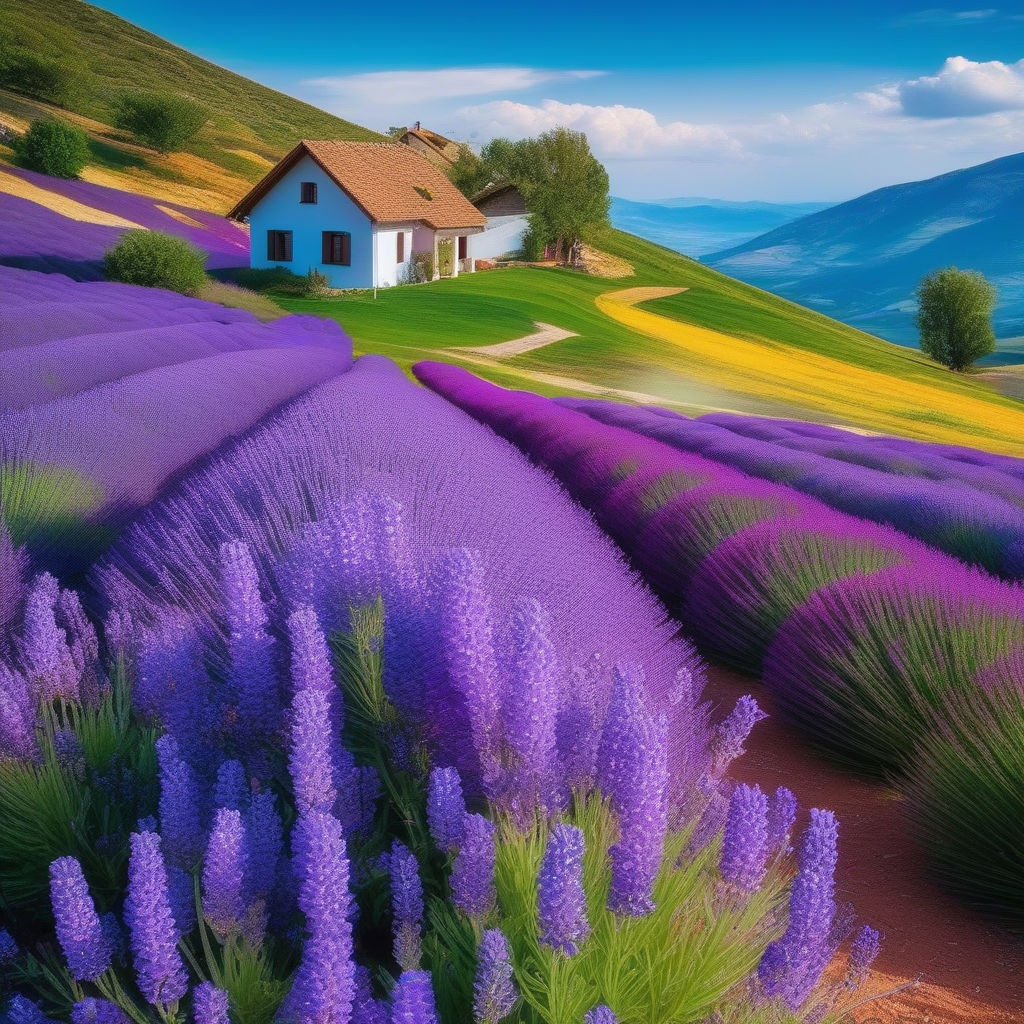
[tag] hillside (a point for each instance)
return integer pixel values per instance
(697, 341)
(250, 128)
(860, 261)
(698, 226)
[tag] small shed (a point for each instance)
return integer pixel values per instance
(507, 221)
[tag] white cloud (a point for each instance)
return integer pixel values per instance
(614, 131)
(944, 16)
(964, 88)
(402, 88)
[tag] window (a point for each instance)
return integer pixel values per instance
(337, 248)
(279, 246)
(401, 246)
(307, 192)
(463, 247)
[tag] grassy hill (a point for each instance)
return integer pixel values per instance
(720, 344)
(250, 128)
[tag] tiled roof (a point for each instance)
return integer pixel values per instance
(390, 182)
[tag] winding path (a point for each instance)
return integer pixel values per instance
(546, 334)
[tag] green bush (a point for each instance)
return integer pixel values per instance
(160, 120)
(28, 73)
(533, 246)
(316, 284)
(156, 260)
(54, 147)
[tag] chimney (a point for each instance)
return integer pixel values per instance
(417, 126)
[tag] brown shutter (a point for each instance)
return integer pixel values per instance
(346, 249)
(271, 246)
(401, 246)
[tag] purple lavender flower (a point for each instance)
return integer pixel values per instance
(98, 1011)
(531, 710)
(412, 999)
(791, 966)
(181, 829)
(78, 925)
(406, 906)
(494, 993)
(17, 716)
(232, 788)
(147, 910)
(67, 749)
(264, 835)
(633, 772)
(224, 870)
(600, 1015)
(446, 808)
(745, 847)
(83, 644)
(310, 763)
(252, 680)
(324, 983)
(45, 654)
(365, 1008)
(23, 1011)
(732, 733)
(781, 815)
(311, 659)
(8, 947)
(863, 952)
(561, 901)
(210, 1004)
(181, 895)
(472, 878)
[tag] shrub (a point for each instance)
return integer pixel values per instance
(163, 121)
(156, 260)
(56, 148)
(534, 246)
(316, 284)
(26, 72)
(965, 798)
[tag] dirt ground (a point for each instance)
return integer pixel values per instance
(970, 971)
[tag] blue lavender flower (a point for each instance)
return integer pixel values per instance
(264, 836)
(98, 1011)
(311, 659)
(67, 749)
(561, 901)
(23, 1011)
(532, 711)
(781, 815)
(406, 906)
(158, 968)
(792, 966)
(446, 808)
(310, 763)
(45, 654)
(745, 849)
(181, 829)
(412, 999)
(732, 732)
(252, 679)
(210, 1004)
(600, 1015)
(232, 788)
(472, 878)
(365, 1008)
(633, 772)
(181, 895)
(863, 952)
(494, 993)
(224, 870)
(78, 925)
(324, 984)
(8, 947)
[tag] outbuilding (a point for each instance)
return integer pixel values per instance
(507, 222)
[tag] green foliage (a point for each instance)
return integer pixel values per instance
(161, 120)
(156, 260)
(955, 317)
(57, 148)
(534, 245)
(24, 71)
(316, 284)
(445, 256)
(267, 279)
(966, 801)
(469, 174)
(51, 809)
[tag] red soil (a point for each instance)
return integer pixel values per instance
(970, 971)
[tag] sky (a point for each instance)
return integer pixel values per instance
(746, 100)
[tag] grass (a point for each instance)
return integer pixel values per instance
(780, 358)
(115, 56)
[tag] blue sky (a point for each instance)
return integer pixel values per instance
(738, 100)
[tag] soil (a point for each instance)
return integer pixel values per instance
(970, 971)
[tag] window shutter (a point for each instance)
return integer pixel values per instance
(271, 247)
(462, 246)
(401, 246)
(287, 245)
(346, 249)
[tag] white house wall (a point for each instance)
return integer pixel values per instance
(280, 210)
(389, 270)
(503, 235)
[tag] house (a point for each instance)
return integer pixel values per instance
(507, 222)
(360, 213)
(440, 151)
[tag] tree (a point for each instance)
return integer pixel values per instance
(955, 316)
(468, 174)
(156, 260)
(54, 147)
(29, 73)
(160, 120)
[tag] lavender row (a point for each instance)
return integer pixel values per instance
(975, 525)
(862, 632)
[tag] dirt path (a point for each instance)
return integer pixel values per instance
(971, 972)
(546, 334)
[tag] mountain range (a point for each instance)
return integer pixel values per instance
(861, 261)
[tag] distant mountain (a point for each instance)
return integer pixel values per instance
(861, 261)
(696, 225)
